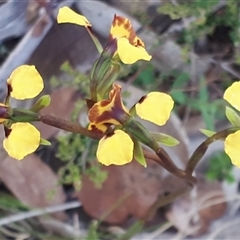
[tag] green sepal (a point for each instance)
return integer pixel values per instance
(109, 78)
(165, 139)
(232, 116)
(23, 115)
(45, 142)
(41, 103)
(138, 153)
(132, 110)
(104, 72)
(138, 131)
(207, 133)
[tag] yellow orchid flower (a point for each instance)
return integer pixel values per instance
(117, 147)
(21, 138)
(108, 112)
(231, 144)
(130, 48)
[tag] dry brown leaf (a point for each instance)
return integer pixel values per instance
(31, 181)
(193, 212)
(129, 190)
(62, 104)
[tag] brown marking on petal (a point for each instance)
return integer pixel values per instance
(89, 102)
(110, 134)
(139, 43)
(127, 25)
(104, 103)
(115, 89)
(115, 21)
(7, 131)
(9, 89)
(106, 116)
(142, 99)
(95, 129)
(112, 114)
(95, 111)
(129, 33)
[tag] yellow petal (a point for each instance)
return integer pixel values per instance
(232, 95)
(130, 54)
(23, 139)
(67, 15)
(155, 107)
(115, 149)
(231, 146)
(25, 82)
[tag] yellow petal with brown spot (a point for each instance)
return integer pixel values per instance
(116, 149)
(22, 140)
(155, 107)
(25, 82)
(130, 54)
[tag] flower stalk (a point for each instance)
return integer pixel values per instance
(68, 126)
(202, 148)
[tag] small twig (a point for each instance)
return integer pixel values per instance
(38, 212)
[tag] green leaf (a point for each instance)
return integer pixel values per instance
(206, 132)
(220, 168)
(92, 231)
(45, 142)
(8, 202)
(138, 153)
(165, 139)
(41, 103)
(232, 116)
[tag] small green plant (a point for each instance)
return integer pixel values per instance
(222, 170)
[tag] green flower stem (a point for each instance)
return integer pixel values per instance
(202, 148)
(23, 115)
(95, 40)
(137, 130)
(68, 126)
(162, 158)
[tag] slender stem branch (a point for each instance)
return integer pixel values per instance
(164, 200)
(202, 148)
(164, 160)
(68, 126)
